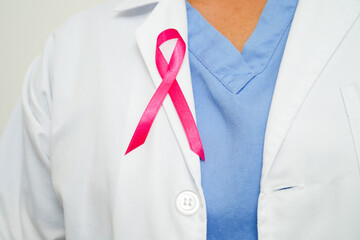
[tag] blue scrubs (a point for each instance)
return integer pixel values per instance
(232, 94)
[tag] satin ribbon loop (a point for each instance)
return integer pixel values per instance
(169, 85)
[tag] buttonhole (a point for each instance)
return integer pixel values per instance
(296, 187)
(284, 188)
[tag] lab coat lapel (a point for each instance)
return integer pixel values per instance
(168, 14)
(317, 29)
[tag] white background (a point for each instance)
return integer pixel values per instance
(24, 27)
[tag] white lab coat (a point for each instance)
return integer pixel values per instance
(63, 173)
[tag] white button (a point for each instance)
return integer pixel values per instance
(187, 202)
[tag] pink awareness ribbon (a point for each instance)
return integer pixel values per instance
(168, 72)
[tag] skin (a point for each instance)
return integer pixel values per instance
(235, 19)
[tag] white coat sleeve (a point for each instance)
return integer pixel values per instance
(29, 207)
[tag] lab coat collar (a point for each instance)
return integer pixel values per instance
(317, 30)
(133, 4)
(167, 14)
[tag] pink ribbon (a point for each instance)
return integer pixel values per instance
(168, 73)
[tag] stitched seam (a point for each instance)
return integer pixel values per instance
(352, 132)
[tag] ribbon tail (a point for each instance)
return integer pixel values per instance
(199, 151)
(134, 143)
(187, 120)
(149, 114)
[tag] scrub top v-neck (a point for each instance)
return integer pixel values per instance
(233, 93)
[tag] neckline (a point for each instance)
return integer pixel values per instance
(236, 69)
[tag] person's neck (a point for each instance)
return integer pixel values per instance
(235, 19)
